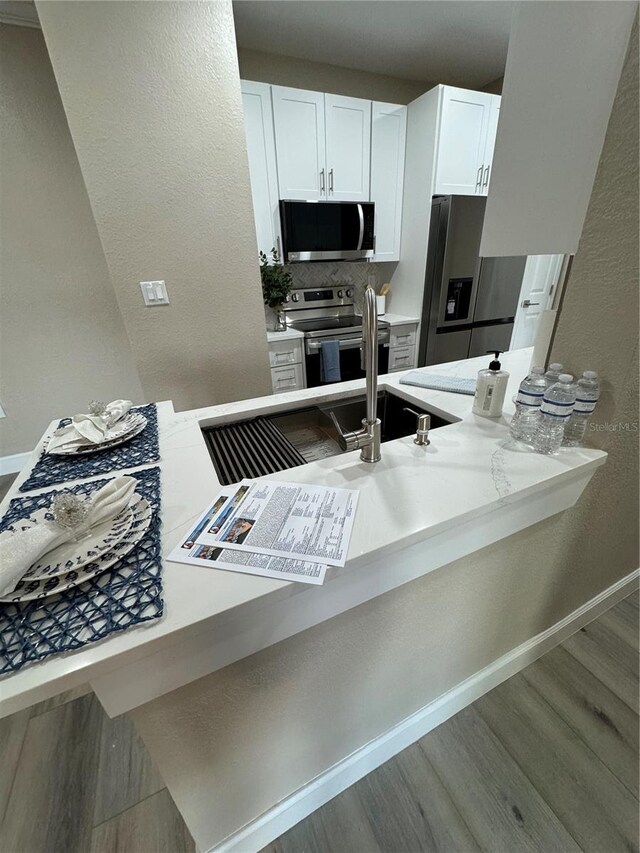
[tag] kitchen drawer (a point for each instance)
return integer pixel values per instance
(401, 358)
(287, 378)
(285, 352)
(402, 336)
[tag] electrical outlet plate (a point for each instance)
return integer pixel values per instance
(154, 293)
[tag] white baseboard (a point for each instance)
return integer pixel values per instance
(260, 832)
(13, 464)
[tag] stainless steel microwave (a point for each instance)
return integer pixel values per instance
(327, 230)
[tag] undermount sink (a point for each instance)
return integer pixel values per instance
(269, 443)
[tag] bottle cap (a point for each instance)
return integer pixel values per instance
(565, 377)
(494, 364)
(590, 374)
(537, 370)
(556, 367)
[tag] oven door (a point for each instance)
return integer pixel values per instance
(351, 364)
(327, 230)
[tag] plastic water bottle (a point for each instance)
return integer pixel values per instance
(525, 420)
(556, 408)
(553, 373)
(587, 393)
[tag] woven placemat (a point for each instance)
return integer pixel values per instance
(127, 594)
(143, 449)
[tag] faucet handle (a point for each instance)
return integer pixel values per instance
(346, 440)
(423, 426)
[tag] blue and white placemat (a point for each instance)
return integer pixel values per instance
(127, 594)
(143, 449)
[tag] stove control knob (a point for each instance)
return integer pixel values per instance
(286, 299)
(295, 297)
(340, 294)
(349, 293)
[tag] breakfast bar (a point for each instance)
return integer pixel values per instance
(421, 508)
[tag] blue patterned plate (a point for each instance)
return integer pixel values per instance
(72, 554)
(29, 588)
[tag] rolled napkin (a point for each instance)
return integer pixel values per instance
(89, 429)
(22, 549)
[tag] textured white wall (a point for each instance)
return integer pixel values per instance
(63, 341)
(272, 722)
(319, 77)
(152, 96)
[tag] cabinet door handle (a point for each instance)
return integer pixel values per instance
(284, 356)
(479, 178)
(331, 180)
(321, 180)
(486, 178)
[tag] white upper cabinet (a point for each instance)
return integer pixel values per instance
(258, 122)
(348, 148)
(388, 137)
(300, 143)
(468, 124)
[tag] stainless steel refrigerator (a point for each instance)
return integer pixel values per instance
(469, 302)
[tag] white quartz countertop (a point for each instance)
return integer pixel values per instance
(470, 468)
(399, 319)
(288, 335)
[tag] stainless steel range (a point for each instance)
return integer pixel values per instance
(329, 315)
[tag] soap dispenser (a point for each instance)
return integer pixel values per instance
(490, 389)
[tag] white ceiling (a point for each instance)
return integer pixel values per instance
(459, 42)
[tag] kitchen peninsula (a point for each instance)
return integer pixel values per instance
(420, 509)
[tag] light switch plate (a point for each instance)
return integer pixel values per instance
(154, 293)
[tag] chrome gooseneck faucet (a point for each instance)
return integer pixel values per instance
(367, 438)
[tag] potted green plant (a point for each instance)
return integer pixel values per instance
(277, 283)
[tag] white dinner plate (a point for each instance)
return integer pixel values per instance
(73, 555)
(123, 431)
(29, 589)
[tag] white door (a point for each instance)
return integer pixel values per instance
(461, 143)
(348, 127)
(300, 148)
(258, 125)
(388, 136)
(490, 144)
(539, 281)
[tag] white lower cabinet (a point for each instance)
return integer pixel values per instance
(402, 347)
(286, 359)
(401, 358)
(285, 352)
(287, 378)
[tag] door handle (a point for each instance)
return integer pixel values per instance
(321, 180)
(527, 303)
(486, 177)
(479, 178)
(331, 180)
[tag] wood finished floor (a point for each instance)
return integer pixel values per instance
(546, 762)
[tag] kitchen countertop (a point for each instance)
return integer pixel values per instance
(470, 469)
(290, 334)
(398, 319)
